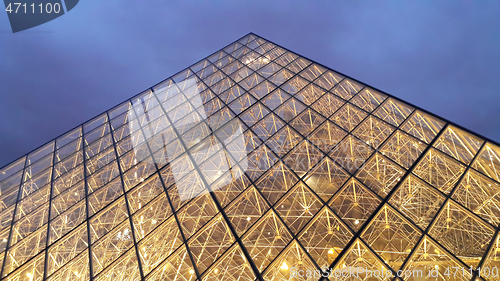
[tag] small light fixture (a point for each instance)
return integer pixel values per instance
(284, 266)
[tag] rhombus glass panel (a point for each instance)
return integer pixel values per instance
(255, 163)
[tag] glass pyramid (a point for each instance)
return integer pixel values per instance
(255, 164)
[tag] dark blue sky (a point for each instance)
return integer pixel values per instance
(443, 56)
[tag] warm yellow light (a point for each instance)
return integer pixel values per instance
(191, 271)
(330, 252)
(356, 222)
(284, 266)
(216, 271)
(248, 218)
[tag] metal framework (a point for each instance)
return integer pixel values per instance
(253, 164)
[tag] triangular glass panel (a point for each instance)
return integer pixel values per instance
(126, 268)
(479, 194)
(348, 117)
(232, 266)
(391, 236)
(290, 109)
(360, 256)
(488, 161)
(276, 182)
(351, 154)
(159, 244)
(310, 94)
(373, 131)
(246, 210)
(354, 204)
(289, 263)
(393, 112)
(275, 99)
(417, 201)
(260, 161)
(432, 262)
(423, 126)
(329, 79)
(492, 260)
(461, 233)
(266, 239)
(439, 170)
(307, 122)
(176, 267)
(459, 144)
(380, 174)
(313, 72)
(303, 158)
(268, 126)
(327, 104)
(326, 179)
(210, 243)
(327, 136)
(403, 149)
(297, 207)
(347, 89)
(284, 141)
(196, 213)
(368, 99)
(325, 237)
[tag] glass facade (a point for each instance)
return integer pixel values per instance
(255, 164)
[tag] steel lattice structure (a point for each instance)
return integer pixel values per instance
(253, 164)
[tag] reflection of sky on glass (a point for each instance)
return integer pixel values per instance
(213, 158)
(442, 57)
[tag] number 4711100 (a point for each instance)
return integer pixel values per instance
(23, 8)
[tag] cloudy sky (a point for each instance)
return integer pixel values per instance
(443, 56)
